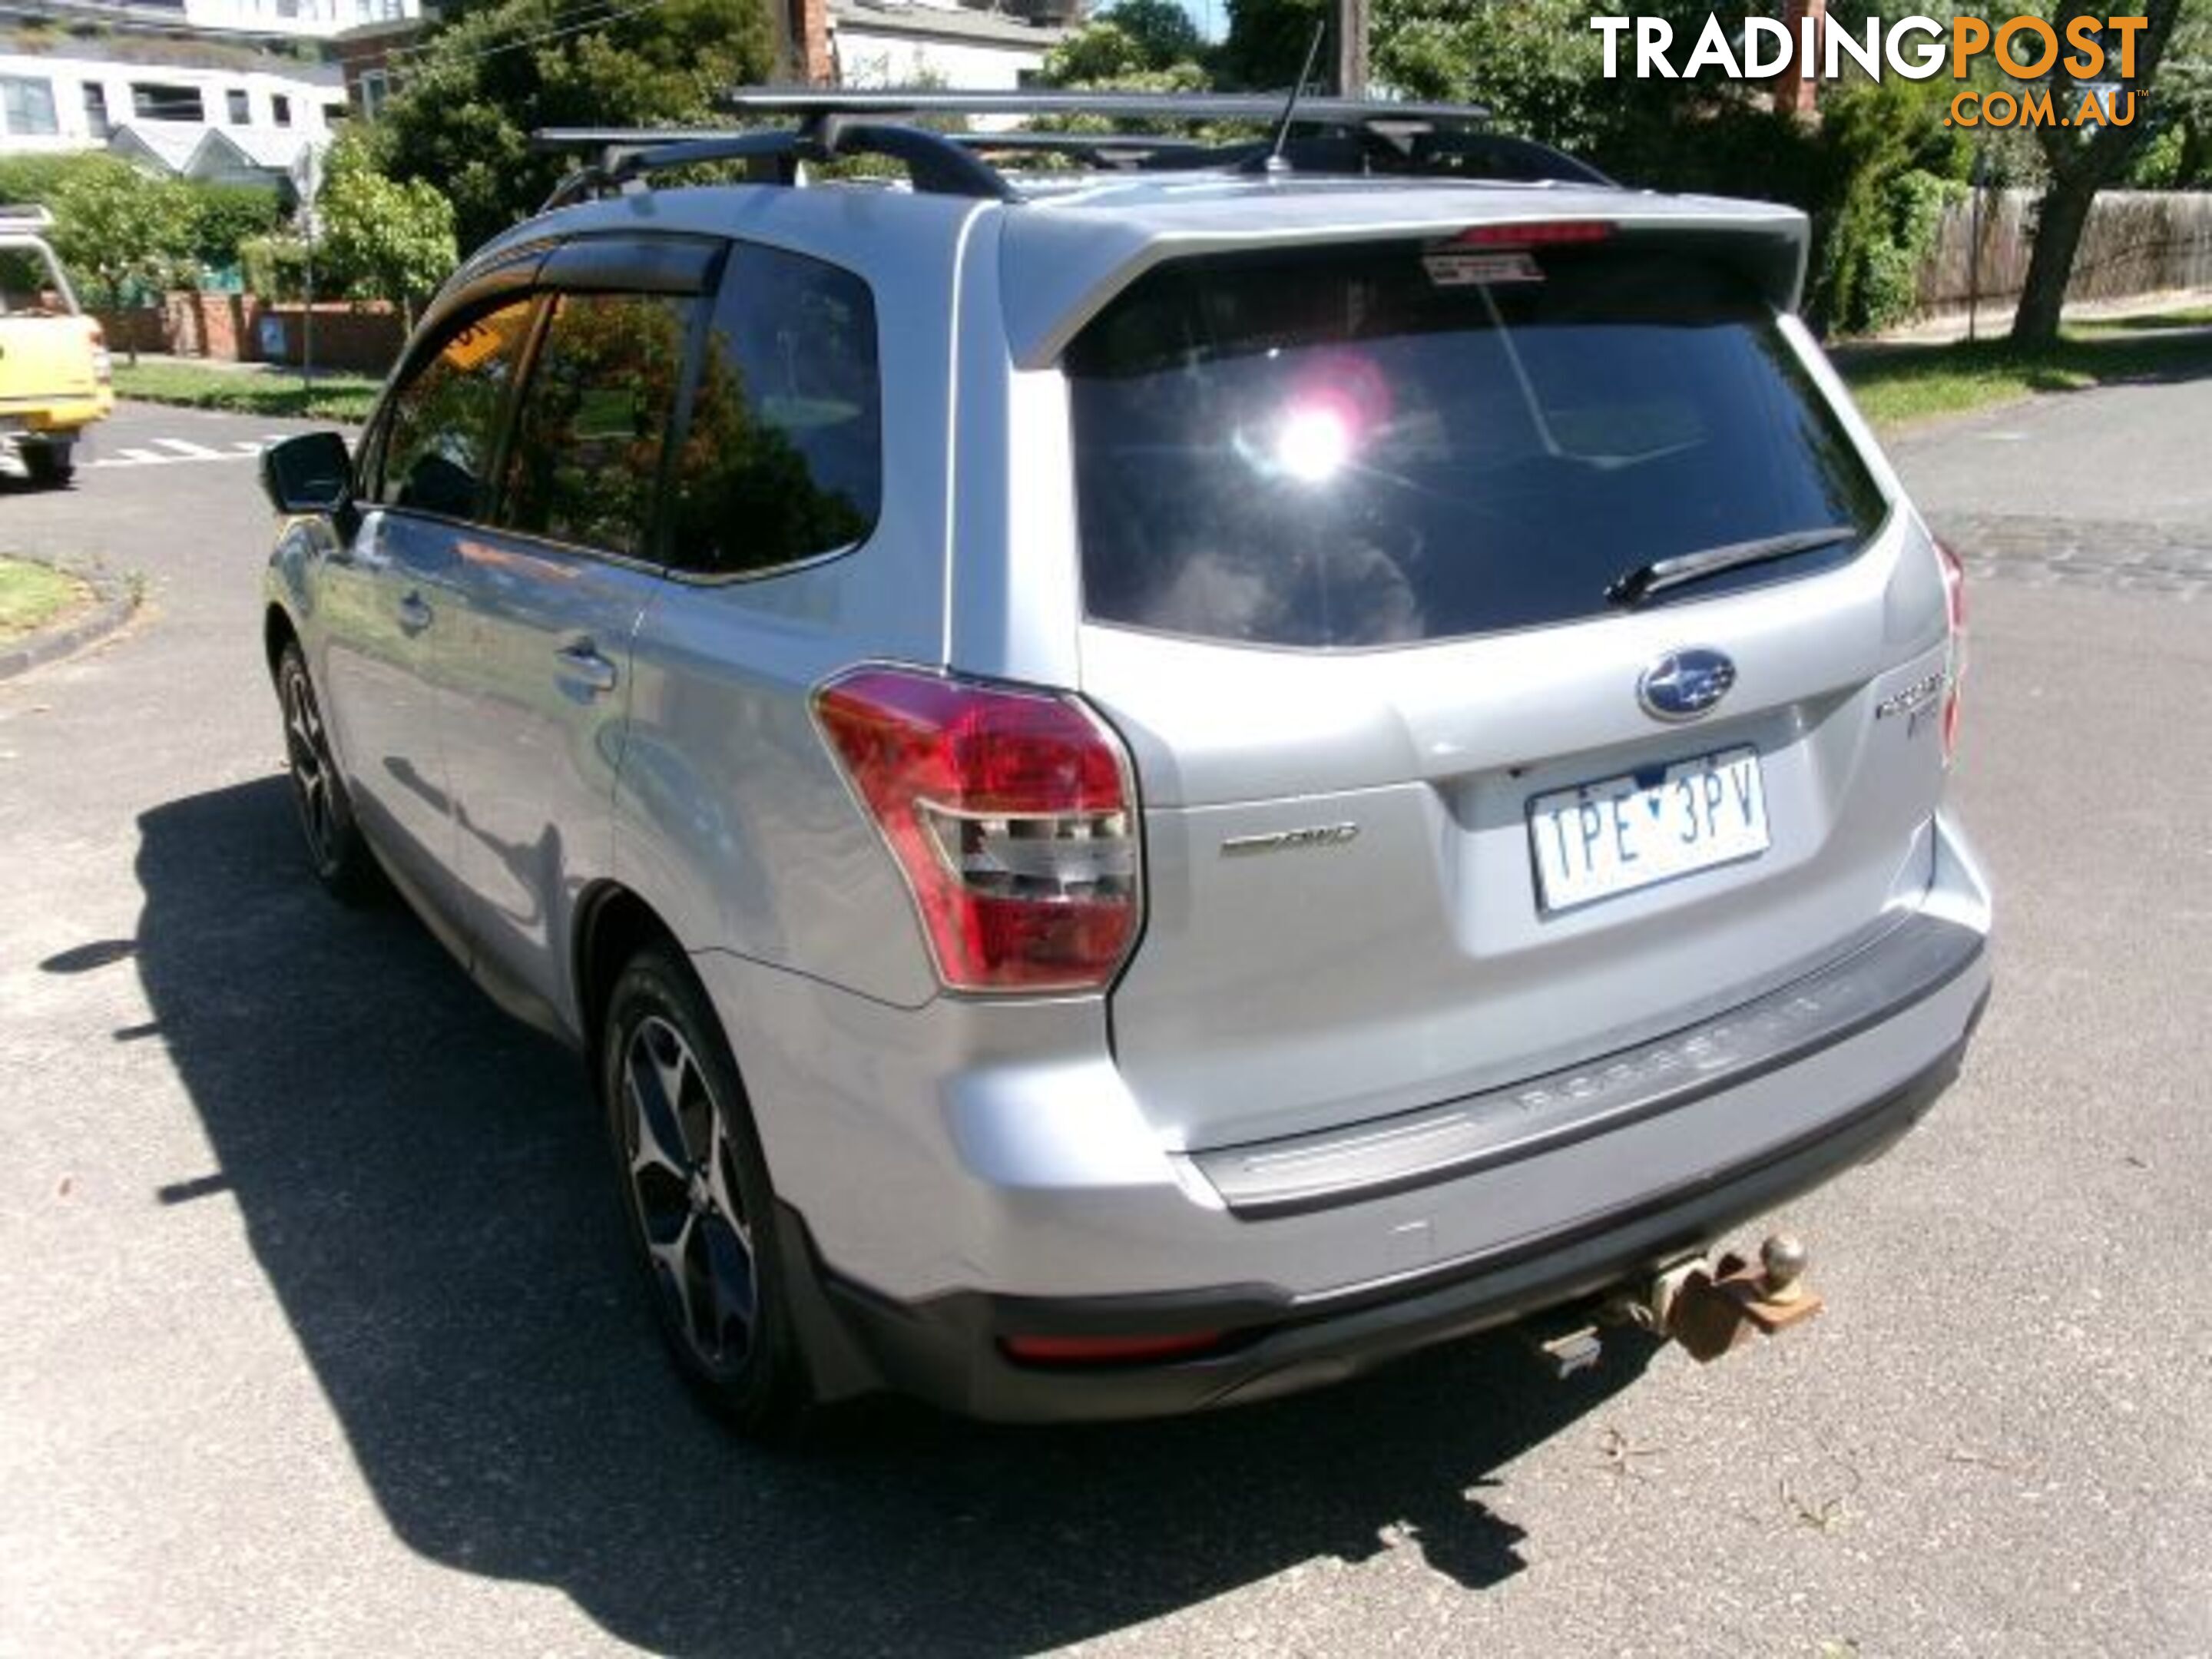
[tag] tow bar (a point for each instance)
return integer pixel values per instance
(1709, 1307)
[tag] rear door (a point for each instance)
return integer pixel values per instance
(548, 598)
(1440, 792)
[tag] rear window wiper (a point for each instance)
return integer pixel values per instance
(1636, 586)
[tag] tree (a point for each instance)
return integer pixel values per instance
(2083, 160)
(1267, 41)
(1160, 30)
(1132, 46)
(466, 106)
(383, 238)
(2180, 154)
(121, 228)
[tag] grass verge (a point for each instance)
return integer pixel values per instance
(32, 595)
(249, 391)
(1896, 384)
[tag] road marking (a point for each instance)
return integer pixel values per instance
(178, 452)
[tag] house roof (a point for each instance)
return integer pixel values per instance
(198, 152)
(168, 144)
(271, 148)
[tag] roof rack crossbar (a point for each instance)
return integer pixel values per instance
(1263, 109)
(1338, 136)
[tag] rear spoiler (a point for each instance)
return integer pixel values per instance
(1058, 269)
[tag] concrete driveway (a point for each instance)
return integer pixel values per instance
(319, 1338)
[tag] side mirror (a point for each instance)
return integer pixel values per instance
(311, 473)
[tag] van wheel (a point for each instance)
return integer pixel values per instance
(341, 857)
(49, 464)
(696, 1191)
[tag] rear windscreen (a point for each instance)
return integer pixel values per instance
(1407, 441)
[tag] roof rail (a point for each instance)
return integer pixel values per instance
(25, 216)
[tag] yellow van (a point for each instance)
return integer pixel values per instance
(54, 369)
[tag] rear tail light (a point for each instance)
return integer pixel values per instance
(1012, 815)
(1954, 662)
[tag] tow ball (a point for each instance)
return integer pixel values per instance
(1709, 1307)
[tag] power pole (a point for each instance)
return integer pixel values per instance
(1352, 48)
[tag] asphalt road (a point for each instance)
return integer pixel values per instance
(319, 1338)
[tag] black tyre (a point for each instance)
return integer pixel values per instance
(52, 466)
(696, 1191)
(341, 857)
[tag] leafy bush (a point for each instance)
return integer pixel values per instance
(274, 266)
(226, 216)
(120, 231)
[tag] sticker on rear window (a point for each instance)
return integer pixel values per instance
(1457, 267)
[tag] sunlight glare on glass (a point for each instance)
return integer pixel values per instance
(1313, 443)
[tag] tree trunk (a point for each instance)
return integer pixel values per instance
(2064, 215)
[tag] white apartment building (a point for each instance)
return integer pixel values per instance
(247, 123)
(311, 19)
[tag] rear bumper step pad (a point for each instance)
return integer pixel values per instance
(1912, 962)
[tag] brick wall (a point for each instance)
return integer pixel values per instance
(366, 339)
(137, 329)
(230, 328)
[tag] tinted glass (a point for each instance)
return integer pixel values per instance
(782, 459)
(585, 464)
(1392, 444)
(445, 417)
(153, 102)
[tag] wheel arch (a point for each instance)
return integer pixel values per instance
(277, 631)
(611, 923)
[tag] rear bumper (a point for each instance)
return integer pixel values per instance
(946, 1349)
(58, 419)
(968, 1171)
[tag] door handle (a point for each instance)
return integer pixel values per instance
(414, 614)
(580, 661)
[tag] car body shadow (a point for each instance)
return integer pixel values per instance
(424, 1183)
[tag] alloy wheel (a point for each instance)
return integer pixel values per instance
(683, 1183)
(307, 749)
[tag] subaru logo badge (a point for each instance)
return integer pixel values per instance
(1683, 684)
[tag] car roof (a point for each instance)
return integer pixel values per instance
(1071, 241)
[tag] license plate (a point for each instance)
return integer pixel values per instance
(1613, 836)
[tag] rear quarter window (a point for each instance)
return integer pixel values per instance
(1359, 447)
(781, 459)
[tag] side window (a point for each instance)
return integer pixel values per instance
(444, 419)
(585, 466)
(783, 456)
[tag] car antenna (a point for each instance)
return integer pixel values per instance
(1275, 161)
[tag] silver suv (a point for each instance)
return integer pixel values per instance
(1145, 783)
